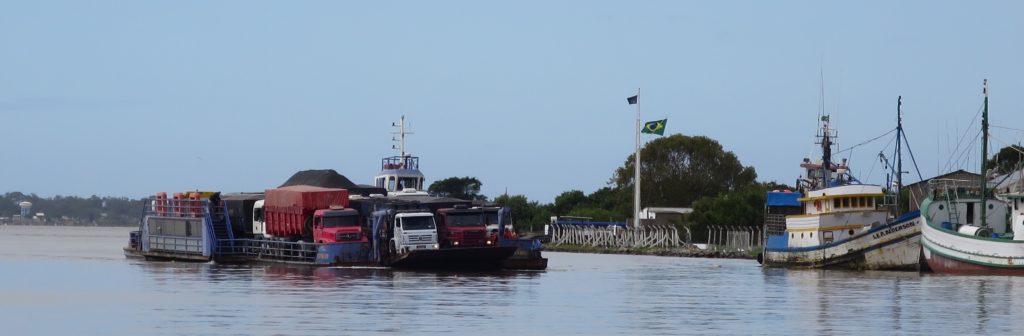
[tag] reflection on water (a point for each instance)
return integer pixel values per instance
(81, 276)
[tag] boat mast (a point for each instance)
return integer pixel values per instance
(899, 150)
(984, 155)
(826, 153)
(401, 139)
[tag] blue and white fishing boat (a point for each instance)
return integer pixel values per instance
(834, 221)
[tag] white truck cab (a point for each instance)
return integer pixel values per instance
(414, 231)
(259, 221)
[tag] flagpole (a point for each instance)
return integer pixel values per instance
(636, 167)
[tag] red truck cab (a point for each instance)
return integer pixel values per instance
(462, 227)
(337, 225)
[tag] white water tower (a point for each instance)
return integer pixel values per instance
(26, 209)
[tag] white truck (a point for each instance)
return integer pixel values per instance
(413, 231)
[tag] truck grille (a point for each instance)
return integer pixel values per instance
(346, 236)
(471, 235)
(419, 239)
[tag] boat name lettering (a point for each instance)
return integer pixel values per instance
(894, 229)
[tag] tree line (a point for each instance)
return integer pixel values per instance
(73, 210)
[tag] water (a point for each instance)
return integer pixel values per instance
(56, 281)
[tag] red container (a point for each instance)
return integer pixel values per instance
(288, 209)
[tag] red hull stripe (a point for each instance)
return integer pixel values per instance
(943, 264)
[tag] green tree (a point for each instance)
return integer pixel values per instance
(1006, 160)
(678, 170)
(597, 214)
(467, 188)
(738, 208)
(568, 200)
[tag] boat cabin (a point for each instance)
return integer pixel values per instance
(957, 207)
(398, 173)
(835, 214)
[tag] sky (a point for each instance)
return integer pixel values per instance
(127, 98)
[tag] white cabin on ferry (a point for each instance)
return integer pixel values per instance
(834, 214)
(399, 173)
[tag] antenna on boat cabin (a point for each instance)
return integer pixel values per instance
(401, 125)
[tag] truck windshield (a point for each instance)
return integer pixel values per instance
(491, 218)
(339, 221)
(418, 223)
(465, 219)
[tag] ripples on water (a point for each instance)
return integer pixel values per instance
(76, 281)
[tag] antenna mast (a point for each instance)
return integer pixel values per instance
(401, 136)
(984, 155)
(899, 149)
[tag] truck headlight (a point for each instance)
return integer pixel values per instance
(456, 243)
(488, 242)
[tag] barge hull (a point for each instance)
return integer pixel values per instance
(463, 257)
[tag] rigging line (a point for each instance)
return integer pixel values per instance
(1007, 128)
(867, 142)
(966, 131)
(957, 156)
(912, 159)
(1008, 144)
(964, 154)
(872, 171)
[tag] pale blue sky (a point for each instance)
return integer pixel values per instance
(132, 97)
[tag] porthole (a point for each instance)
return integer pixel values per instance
(812, 234)
(801, 235)
(990, 206)
(851, 232)
(941, 207)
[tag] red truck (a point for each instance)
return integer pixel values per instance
(463, 227)
(311, 213)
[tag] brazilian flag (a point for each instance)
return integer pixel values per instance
(655, 127)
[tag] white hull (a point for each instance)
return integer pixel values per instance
(893, 246)
(949, 252)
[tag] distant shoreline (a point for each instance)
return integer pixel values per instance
(690, 252)
(76, 226)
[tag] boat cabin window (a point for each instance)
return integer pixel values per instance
(836, 203)
(970, 213)
(1015, 204)
(408, 182)
(380, 182)
(391, 183)
(846, 202)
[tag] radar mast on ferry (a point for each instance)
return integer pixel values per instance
(400, 173)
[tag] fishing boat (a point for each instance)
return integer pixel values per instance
(834, 221)
(969, 231)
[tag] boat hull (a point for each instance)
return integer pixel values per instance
(894, 246)
(490, 257)
(947, 252)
